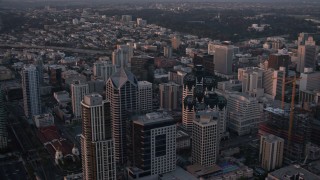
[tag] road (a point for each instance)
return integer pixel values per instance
(30, 145)
(65, 132)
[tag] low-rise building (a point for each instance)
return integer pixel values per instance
(43, 120)
(183, 140)
(294, 172)
(62, 97)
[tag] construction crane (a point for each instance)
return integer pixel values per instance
(286, 81)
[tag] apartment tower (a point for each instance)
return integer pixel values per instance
(31, 91)
(97, 145)
(271, 152)
(78, 91)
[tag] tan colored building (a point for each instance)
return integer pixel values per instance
(97, 145)
(175, 42)
(271, 151)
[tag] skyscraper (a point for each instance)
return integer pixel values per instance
(153, 143)
(188, 102)
(39, 65)
(31, 91)
(205, 138)
(121, 57)
(271, 152)
(121, 91)
(280, 59)
(223, 57)
(251, 80)
(309, 80)
(169, 96)
(3, 123)
(272, 82)
(103, 69)
(78, 91)
(277, 123)
(195, 86)
(243, 113)
(143, 67)
(307, 51)
(55, 75)
(144, 96)
(98, 160)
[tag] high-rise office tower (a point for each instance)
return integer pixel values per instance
(39, 65)
(3, 123)
(98, 160)
(271, 151)
(223, 57)
(130, 50)
(55, 75)
(205, 138)
(272, 82)
(126, 51)
(121, 57)
(193, 93)
(251, 80)
(143, 67)
(177, 76)
(309, 80)
(118, 59)
(153, 143)
(217, 103)
(169, 96)
(304, 36)
(121, 91)
(144, 96)
(307, 52)
(280, 59)
(103, 69)
(243, 113)
(78, 91)
(31, 91)
(188, 101)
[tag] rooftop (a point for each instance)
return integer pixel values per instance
(141, 83)
(272, 138)
(289, 171)
(207, 117)
(179, 173)
(121, 77)
(93, 99)
(277, 111)
(199, 170)
(152, 118)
